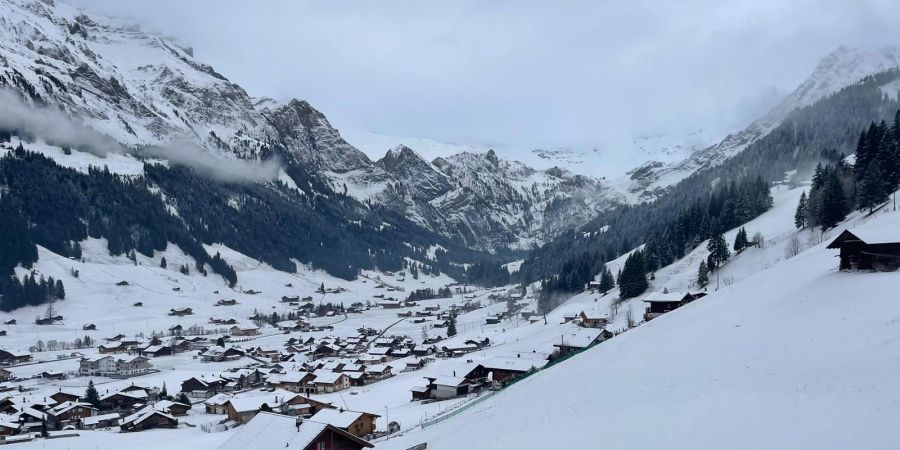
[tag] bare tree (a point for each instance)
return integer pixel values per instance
(759, 239)
(792, 248)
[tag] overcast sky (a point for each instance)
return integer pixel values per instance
(521, 74)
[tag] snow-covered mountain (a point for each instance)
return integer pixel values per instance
(490, 202)
(142, 89)
(840, 68)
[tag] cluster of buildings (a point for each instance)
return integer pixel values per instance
(133, 408)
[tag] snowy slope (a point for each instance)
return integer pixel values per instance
(795, 355)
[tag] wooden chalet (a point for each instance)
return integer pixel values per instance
(660, 303)
(242, 409)
(9, 357)
(581, 339)
(216, 404)
(354, 422)
(89, 327)
(205, 387)
(874, 249)
(123, 401)
(70, 412)
(155, 351)
(148, 418)
(325, 382)
(593, 320)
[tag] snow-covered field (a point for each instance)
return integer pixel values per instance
(790, 353)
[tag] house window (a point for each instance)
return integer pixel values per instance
(320, 445)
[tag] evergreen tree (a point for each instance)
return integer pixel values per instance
(607, 282)
(800, 214)
(59, 290)
(703, 274)
(718, 250)
(220, 342)
(91, 395)
(451, 328)
(164, 393)
(833, 204)
(163, 263)
(740, 240)
(634, 276)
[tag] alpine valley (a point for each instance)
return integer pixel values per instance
(164, 228)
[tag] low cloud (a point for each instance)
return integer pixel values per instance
(56, 128)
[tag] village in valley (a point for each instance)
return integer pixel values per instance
(304, 358)
(359, 361)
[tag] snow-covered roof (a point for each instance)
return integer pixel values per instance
(288, 377)
(253, 403)
(218, 399)
(144, 414)
(515, 364)
(164, 405)
(450, 381)
(580, 338)
(337, 417)
(67, 406)
(665, 297)
(877, 235)
(268, 431)
(377, 368)
(15, 351)
(137, 395)
(93, 420)
(325, 377)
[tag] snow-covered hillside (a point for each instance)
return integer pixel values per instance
(789, 353)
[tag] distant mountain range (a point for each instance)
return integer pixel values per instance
(142, 89)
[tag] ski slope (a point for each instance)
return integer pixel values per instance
(793, 355)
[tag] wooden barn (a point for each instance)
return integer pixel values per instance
(868, 249)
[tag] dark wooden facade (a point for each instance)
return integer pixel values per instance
(858, 254)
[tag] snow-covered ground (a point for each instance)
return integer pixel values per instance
(789, 353)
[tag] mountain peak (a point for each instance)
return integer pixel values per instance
(842, 67)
